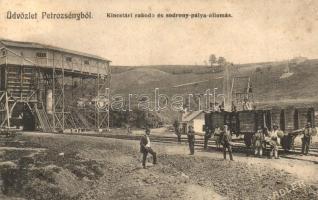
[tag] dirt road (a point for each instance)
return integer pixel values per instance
(84, 167)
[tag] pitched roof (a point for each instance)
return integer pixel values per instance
(191, 115)
(34, 45)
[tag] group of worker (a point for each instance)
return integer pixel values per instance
(273, 138)
(223, 137)
(145, 144)
(259, 141)
(262, 138)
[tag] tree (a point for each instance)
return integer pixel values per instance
(221, 61)
(212, 59)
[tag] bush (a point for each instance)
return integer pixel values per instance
(136, 118)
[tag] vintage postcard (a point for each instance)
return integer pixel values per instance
(158, 99)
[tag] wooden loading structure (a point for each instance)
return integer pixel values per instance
(52, 89)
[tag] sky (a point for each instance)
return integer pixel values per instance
(258, 31)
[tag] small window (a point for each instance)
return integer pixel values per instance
(86, 62)
(3, 52)
(69, 59)
(41, 55)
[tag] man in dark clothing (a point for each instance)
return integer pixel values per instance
(145, 148)
(248, 142)
(179, 135)
(226, 141)
(191, 139)
(177, 131)
(308, 132)
(207, 136)
(217, 137)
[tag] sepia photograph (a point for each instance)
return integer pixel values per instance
(158, 99)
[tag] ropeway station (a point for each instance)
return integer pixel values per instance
(52, 89)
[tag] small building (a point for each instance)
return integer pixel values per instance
(194, 118)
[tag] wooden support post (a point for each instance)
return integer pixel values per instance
(53, 93)
(7, 109)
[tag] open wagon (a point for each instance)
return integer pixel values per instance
(290, 121)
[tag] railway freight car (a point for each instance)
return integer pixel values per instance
(289, 120)
(240, 123)
(294, 125)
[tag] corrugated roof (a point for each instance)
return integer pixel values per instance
(34, 45)
(191, 115)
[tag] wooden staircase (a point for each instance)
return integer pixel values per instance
(81, 120)
(43, 119)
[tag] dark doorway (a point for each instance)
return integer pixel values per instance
(28, 119)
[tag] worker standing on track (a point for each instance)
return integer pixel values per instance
(183, 129)
(258, 141)
(207, 136)
(191, 139)
(226, 142)
(274, 141)
(266, 133)
(145, 148)
(306, 137)
(217, 137)
(177, 131)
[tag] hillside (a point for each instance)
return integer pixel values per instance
(268, 86)
(137, 77)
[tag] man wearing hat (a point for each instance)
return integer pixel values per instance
(307, 133)
(145, 148)
(258, 141)
(226, 139)
(207, 136)
(191, 139)
(217, 137)
(177, 131)
(274, 141)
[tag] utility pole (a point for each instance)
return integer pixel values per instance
(214, 98)
(226, 88)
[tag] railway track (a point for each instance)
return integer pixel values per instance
(238, 144)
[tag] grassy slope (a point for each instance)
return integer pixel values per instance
(299, 89)
(266, 82)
